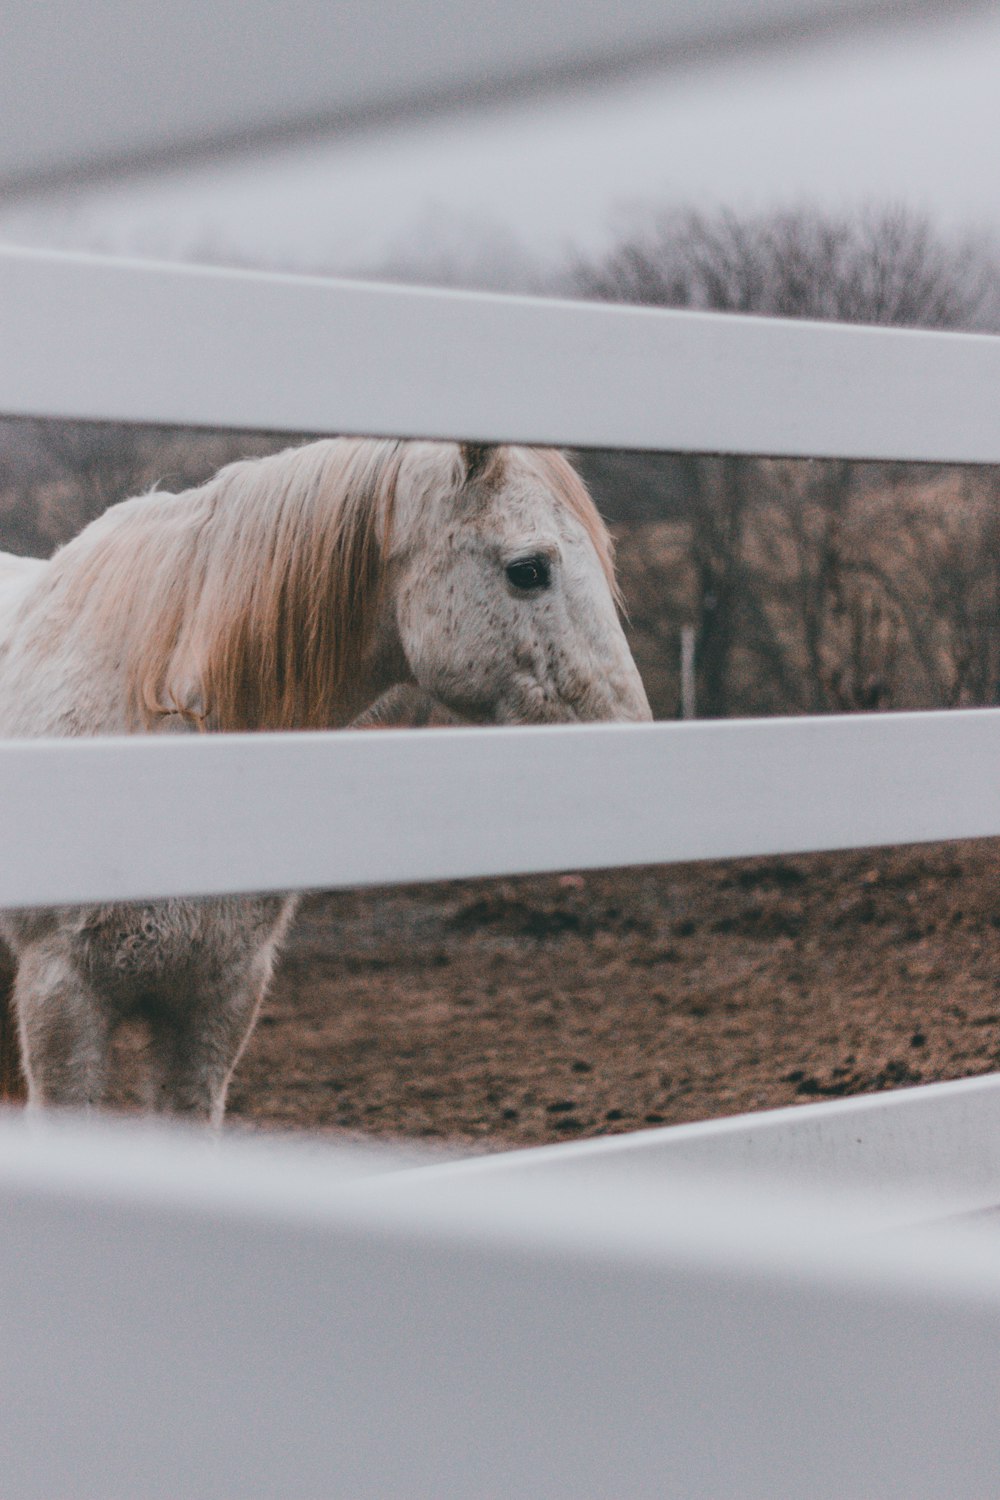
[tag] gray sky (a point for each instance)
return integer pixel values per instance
(909, 116)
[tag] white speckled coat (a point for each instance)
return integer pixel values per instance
(288, 592)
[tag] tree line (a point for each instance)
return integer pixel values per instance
(812, 586)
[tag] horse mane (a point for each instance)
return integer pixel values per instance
(248, 603)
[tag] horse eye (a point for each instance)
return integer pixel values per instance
(530, 573)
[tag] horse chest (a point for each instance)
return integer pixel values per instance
(161, 955)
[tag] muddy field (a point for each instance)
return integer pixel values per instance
(521, 1011)
(514, 1012)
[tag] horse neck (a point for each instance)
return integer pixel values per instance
(273, 632)
(381, 667)
(66, 667)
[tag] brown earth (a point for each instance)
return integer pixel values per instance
(513, 1012)
(549, 1008)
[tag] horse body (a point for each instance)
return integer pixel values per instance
(17, 575)
(288, 592)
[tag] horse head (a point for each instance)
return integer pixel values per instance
(290, 592)
(503, 588)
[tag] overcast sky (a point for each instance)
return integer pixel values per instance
(909, 116)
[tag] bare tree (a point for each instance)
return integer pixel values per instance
(57, 476)
(937, 566)
(883, 268)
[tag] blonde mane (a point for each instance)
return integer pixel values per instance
(248, 603)
(244, 604)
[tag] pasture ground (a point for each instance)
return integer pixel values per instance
(514, 1012)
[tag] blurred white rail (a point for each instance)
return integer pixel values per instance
(274, 1320)
(120, 819)
(912, 1141)
(123, 84)
(86, 337)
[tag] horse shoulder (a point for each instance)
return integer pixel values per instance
(17, 575)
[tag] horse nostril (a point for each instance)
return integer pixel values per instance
(530, 573)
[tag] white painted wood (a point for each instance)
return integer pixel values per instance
(940, 1141)
(86, 337)
(129, 818)
(180, 1321)
(115, 84)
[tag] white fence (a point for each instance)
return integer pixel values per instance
(561, 1323)
(160, 817)
(86, 338)
(596, 1320)
(269, 1320)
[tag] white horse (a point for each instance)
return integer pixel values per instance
(288, 592)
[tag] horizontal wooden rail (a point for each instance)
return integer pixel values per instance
(911, 1141)
(261, 1320)
(124, 84)
(124, 819)
(91, 337)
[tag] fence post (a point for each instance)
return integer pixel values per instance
(688, 699)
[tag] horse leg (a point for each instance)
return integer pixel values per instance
(65, 1031)
(194, 1054)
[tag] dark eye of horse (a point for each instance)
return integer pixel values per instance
(530, 573)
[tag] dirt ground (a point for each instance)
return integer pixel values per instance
(547, 1008)
(513, 1012)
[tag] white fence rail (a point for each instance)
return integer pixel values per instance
(268, 1321)
(92, 337)
(118, 84)
(123, 819)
